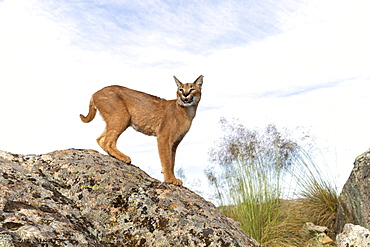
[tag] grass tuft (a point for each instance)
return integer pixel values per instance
(318, 195)
(271, 186)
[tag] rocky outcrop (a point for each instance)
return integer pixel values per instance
(354, 201)
(353, 235)
(83, 198)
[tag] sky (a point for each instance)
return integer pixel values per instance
(288, 62)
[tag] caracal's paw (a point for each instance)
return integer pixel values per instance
(174, 181)
(127, 160)
(123, 158)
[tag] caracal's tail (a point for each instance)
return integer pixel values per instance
(92, 112)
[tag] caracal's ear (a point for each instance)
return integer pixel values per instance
(199, 81)
(178, 83)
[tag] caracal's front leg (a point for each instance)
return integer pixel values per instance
(173, 153)
(167, 160)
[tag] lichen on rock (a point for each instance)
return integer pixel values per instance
(354, 200)
(353, 235)
(83, 198)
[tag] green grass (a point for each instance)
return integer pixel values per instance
(318, 194)
(256, 192)
(269, 184)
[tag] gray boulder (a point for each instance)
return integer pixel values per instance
(354, 200)
(83, 198)
(353, 235)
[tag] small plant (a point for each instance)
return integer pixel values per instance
(258, 174)
(318, 195)
(254, 199)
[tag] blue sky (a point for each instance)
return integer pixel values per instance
(293, 63)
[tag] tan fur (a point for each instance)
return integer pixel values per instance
(169, 120)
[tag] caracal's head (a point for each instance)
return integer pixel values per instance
(189, 94)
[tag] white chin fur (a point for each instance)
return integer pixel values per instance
(187, 104)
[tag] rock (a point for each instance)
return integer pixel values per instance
(317, 235)
(310, 227)
(83, 198)
(354, 200)
(322, 238)
(353, 235)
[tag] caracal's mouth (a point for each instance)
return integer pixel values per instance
(187, 101)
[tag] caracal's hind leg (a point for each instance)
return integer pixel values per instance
(100, 140)
(112, 132)
(117, 120)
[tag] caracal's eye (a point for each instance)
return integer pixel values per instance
(191, 90)
(181, 90)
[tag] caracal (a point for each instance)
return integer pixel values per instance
(168, 120)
